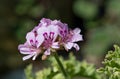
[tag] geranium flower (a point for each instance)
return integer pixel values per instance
(31, 46)
(49, 34)
(69, 37)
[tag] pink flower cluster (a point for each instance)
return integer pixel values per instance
(47, 36)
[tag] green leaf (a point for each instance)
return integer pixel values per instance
(112, 64)
(28, 72)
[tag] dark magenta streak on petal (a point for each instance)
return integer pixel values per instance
(65, 31)
(61, 32)
(51, 35)
(35, 32)
(36, 41)
(31, 41)
(45, 35)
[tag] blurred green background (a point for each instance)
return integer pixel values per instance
(99, 21)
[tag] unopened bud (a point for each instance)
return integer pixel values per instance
(44, 57)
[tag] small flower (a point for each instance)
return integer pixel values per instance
(31, 46)
(49, 34)
(69, 37)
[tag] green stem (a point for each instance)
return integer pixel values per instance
(61, 66)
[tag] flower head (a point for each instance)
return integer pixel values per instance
(49, 35)
(30, 47)
(69, 37)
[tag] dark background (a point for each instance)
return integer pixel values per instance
(99, 21)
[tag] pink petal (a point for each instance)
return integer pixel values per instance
(24, 52)
(55, 45)
(76, 46)
(30, 36)
(27, 57)
(69, 45)
(76, 38)
(26, 49)
(42, 30)
(54, 29)
(76, 30)
(45, 21)
(54, 22)
(40, 40)
(64, 29)
(47, 52)
(34, 57)
(27, 52)
(23, 49)
(35, 28)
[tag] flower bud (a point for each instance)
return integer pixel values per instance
(44, 57)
